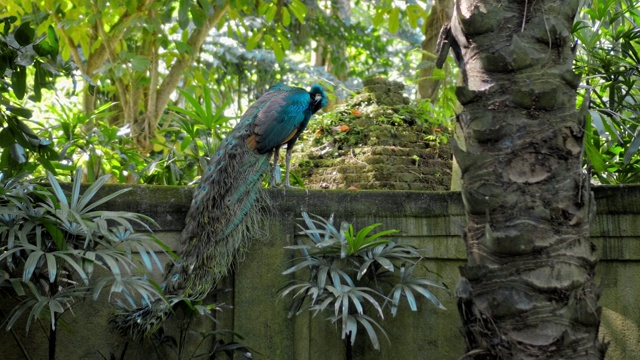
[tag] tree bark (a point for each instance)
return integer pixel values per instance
(527, 290)
(144, 126)
(440, 14)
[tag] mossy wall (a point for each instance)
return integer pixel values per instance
(432, 220)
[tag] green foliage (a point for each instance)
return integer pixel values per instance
(609, 63)
(180, 346)
(30, 60)
(353, 274)
(172, 347)
(51, 244)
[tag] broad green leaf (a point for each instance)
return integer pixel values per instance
(18, 153)
(198, 16)
(6, 137)
(183, 14)
(286, 17)
(131, 5)
(370, 331)
(52, 268)
(17, 287)
(633, 147)
(139, 63)
(426, 293)
(57, 190)
(298, 9)
(394, 20)
(19, 81)
(270, 14)
(414, 13)
(597, 122)
(24, 34)
(278, 51)
(30, 265)
(38, 80)
(595, 158)
(17, 312)
(186, 142)
(286, 44)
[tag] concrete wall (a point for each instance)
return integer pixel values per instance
(431, 220)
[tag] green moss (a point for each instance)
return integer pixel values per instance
(368, 135)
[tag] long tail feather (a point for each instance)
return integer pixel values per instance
(226, 212)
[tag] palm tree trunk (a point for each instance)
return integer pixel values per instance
(527, 290)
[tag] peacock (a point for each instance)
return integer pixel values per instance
(228, 204)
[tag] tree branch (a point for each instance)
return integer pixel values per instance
(73, 48)
(175, 74)
(100, 55)
(126, 102)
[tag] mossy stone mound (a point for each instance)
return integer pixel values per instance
(376, 140)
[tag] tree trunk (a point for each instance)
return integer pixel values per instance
(141, 107)
(440, 13)
(527, 290)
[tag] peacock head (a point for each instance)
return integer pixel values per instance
(318, 98)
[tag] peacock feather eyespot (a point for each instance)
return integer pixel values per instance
(196, 202)
(204, 188)
(175, 276)
(211, 167)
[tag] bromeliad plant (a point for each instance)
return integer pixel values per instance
(51, 246)
(354, 273)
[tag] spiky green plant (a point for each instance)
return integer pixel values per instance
(354, 273)
(51, 243)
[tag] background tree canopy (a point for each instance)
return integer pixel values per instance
(144, 90)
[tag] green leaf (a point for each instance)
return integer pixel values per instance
(270, 14)
(57, 190)
(74, 264)
(24, 34)
(17, 287)
(51, 267)
(415, 12)
(30, 265)
(139, 63)
(19, 81)
(278, 51)
(286, 44)
(198, 16)
(426, 293)
(20, 111)
(38, 80)
(633, 148)
(185, 142)
(183, 14)
(298, 9)
(286, 17)
(131, 5)
(183, 47)
(394, 20)
(252, 42)
(18, 153)
(595, 158)
(6, 138)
